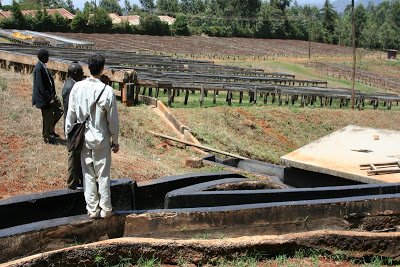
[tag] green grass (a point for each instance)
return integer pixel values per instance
(300, 257)
(303, 72)
(3, 84)
(194, 101)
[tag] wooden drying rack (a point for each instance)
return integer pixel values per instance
(381, 168)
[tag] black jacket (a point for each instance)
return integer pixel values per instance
(43, 87)
(69, 83)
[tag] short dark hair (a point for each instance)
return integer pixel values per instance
(42, 53)
(96, 63)
(75, 71)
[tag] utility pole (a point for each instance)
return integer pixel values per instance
(94, 24)
(309, 39)
(354, 55)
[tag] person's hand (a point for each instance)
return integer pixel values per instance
(115, 148)
(104, 78)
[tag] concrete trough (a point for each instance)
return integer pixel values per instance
(290, 176)
(199, 195)
(151, 194)
(372, 208)
(364, 213)
(27, 209)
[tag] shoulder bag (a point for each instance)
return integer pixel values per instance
(76, 134)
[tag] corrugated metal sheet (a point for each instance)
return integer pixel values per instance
(133, 19)
(168, 19)
(115, 18)
(5, 14)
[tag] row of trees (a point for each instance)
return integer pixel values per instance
(90, 19)
(376, 26)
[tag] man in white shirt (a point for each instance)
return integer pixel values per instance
(101, 136)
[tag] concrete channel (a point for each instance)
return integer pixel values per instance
(163, 217)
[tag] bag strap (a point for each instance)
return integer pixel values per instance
(95, 102)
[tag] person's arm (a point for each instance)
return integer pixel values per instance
(113, 121)
(40, 77)
(71, 114)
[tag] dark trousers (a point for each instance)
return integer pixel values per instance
(50, 117)
(47, 116)
(57, 111)
(74, 176)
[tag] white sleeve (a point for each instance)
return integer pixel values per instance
(71, 113)
(112, 117)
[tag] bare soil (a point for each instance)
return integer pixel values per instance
(212, 46)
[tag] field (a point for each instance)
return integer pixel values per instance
(214, 47)
(260, 131)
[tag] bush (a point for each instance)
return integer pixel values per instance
(102, 21)
(181, 25)
(152, 25)
(79, 22)
(124, 27)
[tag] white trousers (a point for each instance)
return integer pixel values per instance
(96, 164)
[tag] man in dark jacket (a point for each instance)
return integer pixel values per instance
(74, 177)
(44, 97)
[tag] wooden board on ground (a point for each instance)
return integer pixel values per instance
(342, 152)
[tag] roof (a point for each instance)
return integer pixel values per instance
(62, 11)
(135, 19)
(132, 19)
(115, 18)
(168, 19)
(5, 14)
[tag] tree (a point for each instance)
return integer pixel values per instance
(272, 23)
(111, 6)
(60, 23)
(128, 8)
(152, 25)
(192, 6)
(17, 16)
(79, 22)
(329, 16)
(147, 4)
(29, 5)
(181, 25)
(360, 18)
(88, 8)
(168, 6)
(102, 22)
(281, 4)
(70, 6)
(43, 21)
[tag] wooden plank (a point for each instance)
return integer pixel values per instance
(199, 146)
(384, 171)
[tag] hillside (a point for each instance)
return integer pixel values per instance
(263, 132)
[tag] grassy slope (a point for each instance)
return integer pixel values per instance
(263, 131)
(28, 165)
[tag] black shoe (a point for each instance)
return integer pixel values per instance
(76, 188)
(48, 141)
(53, 134)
